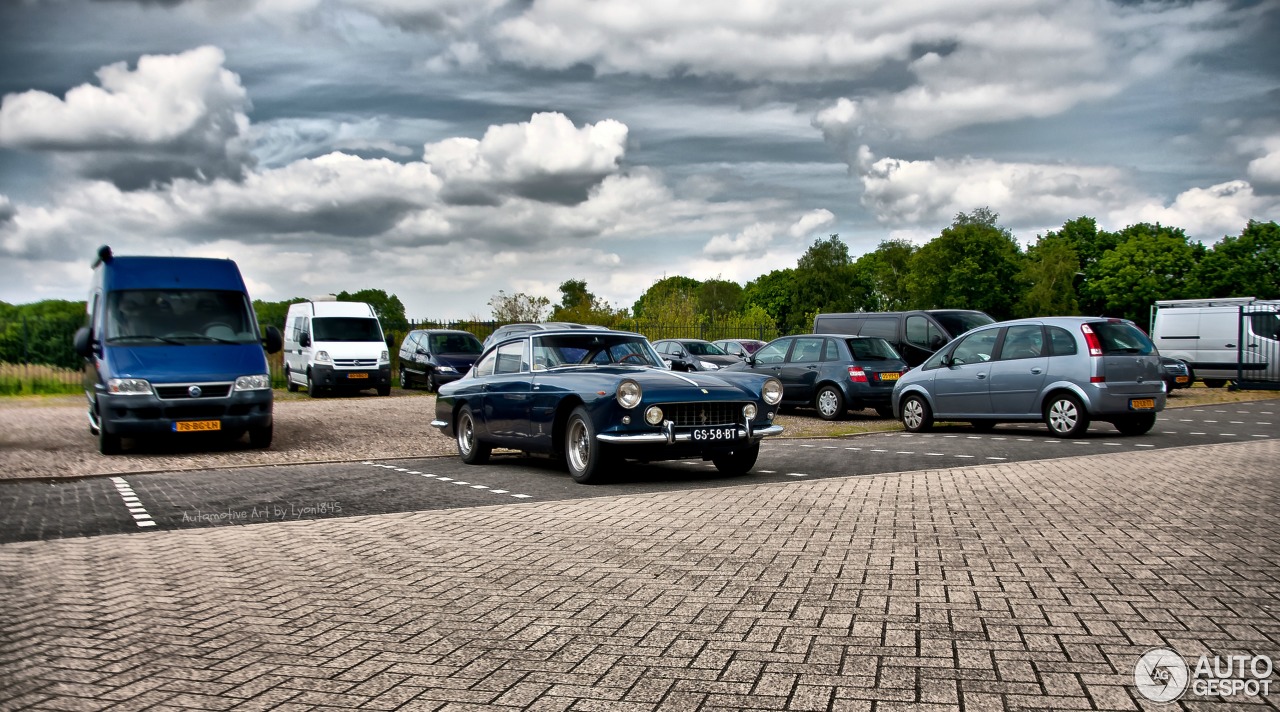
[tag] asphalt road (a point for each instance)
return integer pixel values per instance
(142, 503)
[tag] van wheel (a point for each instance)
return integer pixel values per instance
(916, 415)
(261, 437)
(384, 390)
(1214, 382)
(470, 449)
(1065, 416)
(830, 403)
(108, 444)
(312, 389)
(289, 383)
(1137, 424)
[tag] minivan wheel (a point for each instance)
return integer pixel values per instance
(1065, 416)
(404, 380)
(432, 386)
(983, 426)
(830, 403)
(470, 449)
(1137, 424)
(916, 415)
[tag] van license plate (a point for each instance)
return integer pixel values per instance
(1142, 404)
(196, 426)
(714, 434)
(1182, 379)
(889, 376)
(357, 375)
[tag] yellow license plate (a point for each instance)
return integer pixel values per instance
(196, 426)
(1142, 404)
(1182, 379)
(357, 375)
(889, 376)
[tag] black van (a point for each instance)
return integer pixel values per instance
(915, 334)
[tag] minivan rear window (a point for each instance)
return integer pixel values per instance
(1121, 337)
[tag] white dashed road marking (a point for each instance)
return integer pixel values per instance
(439, 478)
(139, 512)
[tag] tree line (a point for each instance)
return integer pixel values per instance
(974, 263)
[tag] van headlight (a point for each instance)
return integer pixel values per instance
(771, 391)
(259, 382)
(323, 357)
(385, 357)
(129, 386)
(629, 394)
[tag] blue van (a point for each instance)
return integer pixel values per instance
(172, 347)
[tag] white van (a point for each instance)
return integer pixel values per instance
(332, 345)
(1220, 339)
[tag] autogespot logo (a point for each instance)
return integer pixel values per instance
(1161, 675)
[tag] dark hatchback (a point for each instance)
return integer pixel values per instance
(831, 372)
(694, 355)
(434, 357)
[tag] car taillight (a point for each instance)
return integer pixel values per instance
(857, 375)
(1091, 340)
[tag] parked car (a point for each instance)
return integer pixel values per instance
(742, 348)
(1177, 374)
(831, 372)
(433, 357)
(1221, 339)
(508, 329)
(335, 346)
(592, 397)
(914, 334)
(1066, 371)
(693, 355)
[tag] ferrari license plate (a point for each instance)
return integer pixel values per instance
(889, 376)
(357, 375)
(196, 426)
(701, 435)
(1142, 404)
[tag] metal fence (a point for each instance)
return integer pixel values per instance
(36, 354)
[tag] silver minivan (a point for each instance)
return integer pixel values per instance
(1065, 371)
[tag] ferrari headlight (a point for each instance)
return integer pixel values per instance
(749, 411)
(129, 386)
(629, 394)
(653, 415)
(771, 391)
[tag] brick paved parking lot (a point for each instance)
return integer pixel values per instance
(1032, 585)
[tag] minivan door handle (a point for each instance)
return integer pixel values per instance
(1231, 346)
(1037, 371)
(981, 376)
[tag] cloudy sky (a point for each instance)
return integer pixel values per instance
(443, 150)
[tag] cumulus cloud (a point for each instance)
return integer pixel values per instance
(756, 239)
(173, 116)
(903, 193)
(547, 159)
(1264, 171)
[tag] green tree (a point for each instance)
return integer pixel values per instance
(518, 307)
(776, 294)
(665, 292)
(1089, 244)
(973, 264)
(826, 281)
(1050, 271)
(274, 313)
(1244, 266)
(885, 271)
(41, 332)
(388, 307)
(719, 298)
(1150, 262)
(578, 304)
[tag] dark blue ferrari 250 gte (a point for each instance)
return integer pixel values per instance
(592, 397)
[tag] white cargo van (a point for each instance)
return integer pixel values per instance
(1221, 339)
(333, 346)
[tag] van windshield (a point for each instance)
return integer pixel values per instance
(178, 316)
(345, 328)
(957, 323)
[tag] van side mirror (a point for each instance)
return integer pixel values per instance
(304, 340)
(82, 342)
(272, 342)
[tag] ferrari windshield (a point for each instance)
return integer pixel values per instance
(593, 348)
